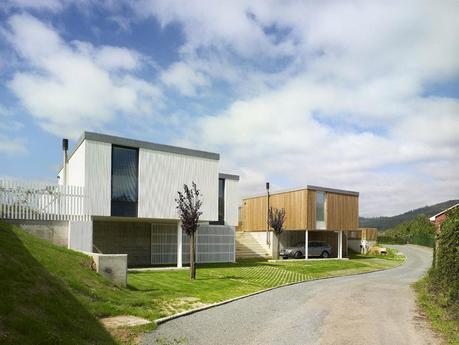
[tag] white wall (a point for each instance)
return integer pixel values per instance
(98, 159)
(76, 166)
(231, 202)
(162, 174)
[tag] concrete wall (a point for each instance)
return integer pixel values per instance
(112, 266)
(51, 230)
(121, 237)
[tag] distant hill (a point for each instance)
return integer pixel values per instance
(383, 223)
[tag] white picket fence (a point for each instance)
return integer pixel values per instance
(38, 201)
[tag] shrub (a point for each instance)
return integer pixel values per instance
(445, 275)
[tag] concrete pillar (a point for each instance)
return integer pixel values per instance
(306, 241)
(340, 244)
(179, 244)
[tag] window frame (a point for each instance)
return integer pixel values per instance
(134, 204)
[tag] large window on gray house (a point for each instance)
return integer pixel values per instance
(320, 210)
(125, 166)
(221, 202)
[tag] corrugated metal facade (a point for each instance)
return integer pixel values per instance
(162, 174)
(98, 176)
(163, 244)
(214, 243)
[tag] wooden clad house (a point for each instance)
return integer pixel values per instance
(312, 214)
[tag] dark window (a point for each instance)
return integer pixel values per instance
(221, 202)
(125, 166)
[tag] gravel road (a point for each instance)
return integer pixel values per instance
(373, 308)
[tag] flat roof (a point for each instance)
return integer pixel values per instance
(228, 176)
(310, 187)
(142, 144)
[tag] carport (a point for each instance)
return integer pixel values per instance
(336, 239)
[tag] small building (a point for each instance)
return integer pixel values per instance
(440, 217)
(437, 220)
(131, 187)
(117, 196)
(312, 214)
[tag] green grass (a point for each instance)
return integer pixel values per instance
(433, 307)
(49, 294)
(216, 283)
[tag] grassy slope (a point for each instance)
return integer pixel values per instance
(437, 314)
(49, 294)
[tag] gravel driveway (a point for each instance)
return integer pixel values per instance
(374, 308)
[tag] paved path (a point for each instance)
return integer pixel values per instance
(374, 308)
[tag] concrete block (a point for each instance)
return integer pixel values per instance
(112, 266)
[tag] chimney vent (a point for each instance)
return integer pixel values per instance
(65, 144)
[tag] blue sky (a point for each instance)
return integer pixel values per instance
(353, 95)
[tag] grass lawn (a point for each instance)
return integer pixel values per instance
(219, 282)
(49, 294)
(432, 307)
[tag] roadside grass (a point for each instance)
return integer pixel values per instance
(434, 309)
(49, 294)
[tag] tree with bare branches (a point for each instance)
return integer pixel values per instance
(188, 208)
(276, 219)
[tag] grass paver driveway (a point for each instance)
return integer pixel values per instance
(219, 282)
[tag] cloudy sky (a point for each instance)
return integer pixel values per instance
(355, 95)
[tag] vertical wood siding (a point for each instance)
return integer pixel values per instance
(254, 210)
(98, 168)
(342, 212)
(231, 202)
(162, 174)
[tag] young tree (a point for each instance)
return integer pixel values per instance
(276, 219)
(188, 208)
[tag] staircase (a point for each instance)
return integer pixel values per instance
(251, 245)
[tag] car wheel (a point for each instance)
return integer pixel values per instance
(298, 255)
(325, 254)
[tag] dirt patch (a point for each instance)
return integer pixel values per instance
(123, 321)
(178, 305)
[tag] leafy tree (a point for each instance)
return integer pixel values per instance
(418, 231)
(188, 208)
(276, 219)
(446, 272)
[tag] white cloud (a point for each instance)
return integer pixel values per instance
(49, 5)
(68, 86)
(184, 78)
(347, 106)
(12, 146)
(326, 93)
